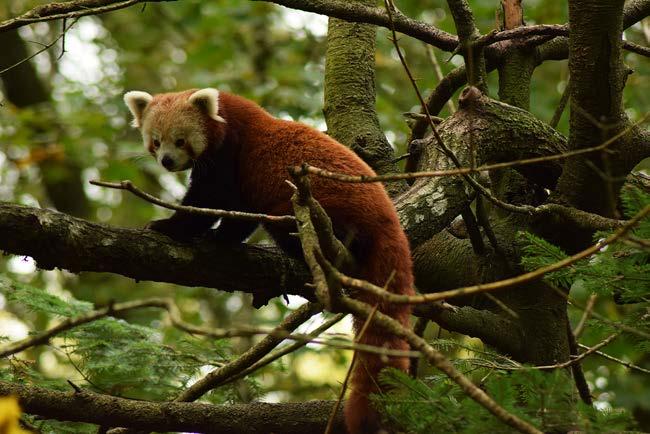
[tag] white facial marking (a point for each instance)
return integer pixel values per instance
(207, 100)
(137, 101)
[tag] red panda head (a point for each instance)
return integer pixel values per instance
(175, 126)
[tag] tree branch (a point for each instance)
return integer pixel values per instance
(89, 407)
(349, 100)
(67, 10)
(57, 240)
(490, 328)
(357, 12)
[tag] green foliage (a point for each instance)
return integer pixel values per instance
(113, 356)
(540, 253)
(621, 269)
(436, 404)
(37, 300)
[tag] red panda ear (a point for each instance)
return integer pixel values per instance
(137, 101)
(207, 100)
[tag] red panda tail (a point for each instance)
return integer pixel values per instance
(388, 254)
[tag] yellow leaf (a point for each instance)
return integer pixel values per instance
(9, 416)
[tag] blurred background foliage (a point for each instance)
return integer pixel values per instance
(67, 124)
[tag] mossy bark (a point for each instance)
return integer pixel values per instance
(349, 105)
(500, 133)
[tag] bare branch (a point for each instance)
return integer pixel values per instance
(356, 12)
(469, 170)
(468, 34)
(585, 315)
(128, 186)
(217, 377)
(45, 48)
(619, 361)
(393, 327)
(636, 48)
(68, 10)
(269, 358)
(175, 319)
(568, 363)
(104, 410)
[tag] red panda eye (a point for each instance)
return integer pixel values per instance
(180, 143)
(156, 144)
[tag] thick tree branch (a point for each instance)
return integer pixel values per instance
(489, 327)
(349, 104)
(597, 81)
(57, 240)
(358, 12)
(257, 418)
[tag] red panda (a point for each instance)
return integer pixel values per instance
(239, 155)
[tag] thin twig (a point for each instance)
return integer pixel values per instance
(561, 106)
(67, 10)
(614, 324)
(431, 55)
(176, 321)
(45, 48)
(128, 186)
(216, 377)
(269, 358)
(45, 336)
(577, 331)
(619, 361)
(576, 368)
(438, 360)
(419, 328)
(570, 362)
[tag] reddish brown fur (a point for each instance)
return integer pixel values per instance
(264, 147)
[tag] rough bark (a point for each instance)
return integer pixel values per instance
(501, 133)
(104, 410)
(517, 68)
(58, 240)
(349, 105)
(597, 78)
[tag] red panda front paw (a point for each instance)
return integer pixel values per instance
(171, 228)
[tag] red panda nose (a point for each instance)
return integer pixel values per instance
(167, 162)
